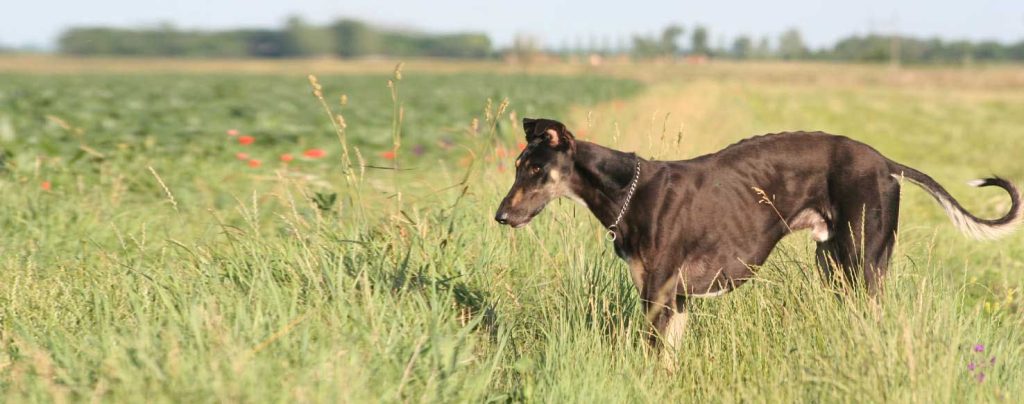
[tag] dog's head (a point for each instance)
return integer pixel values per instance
(542, 171)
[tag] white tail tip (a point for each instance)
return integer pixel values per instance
(976, 183)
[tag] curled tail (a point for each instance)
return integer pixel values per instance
(967, 223)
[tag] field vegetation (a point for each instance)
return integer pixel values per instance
(156, 244)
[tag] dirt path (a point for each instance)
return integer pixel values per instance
(672, 120)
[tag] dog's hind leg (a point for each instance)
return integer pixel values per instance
(865, 232)
(878, 248)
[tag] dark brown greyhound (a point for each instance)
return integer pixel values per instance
(695, 228)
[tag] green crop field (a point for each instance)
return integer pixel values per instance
(147, 254)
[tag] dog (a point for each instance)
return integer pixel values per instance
(696, 228)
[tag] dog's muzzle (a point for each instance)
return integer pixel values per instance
(514, 219)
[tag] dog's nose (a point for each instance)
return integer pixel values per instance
(501, 217)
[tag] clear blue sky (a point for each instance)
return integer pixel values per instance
(38, 22)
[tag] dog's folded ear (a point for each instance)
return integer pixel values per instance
(552, 132)
(559, 137)
(529, 125)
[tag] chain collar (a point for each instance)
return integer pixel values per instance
(625, 205)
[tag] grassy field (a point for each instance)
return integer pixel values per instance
(141, 259)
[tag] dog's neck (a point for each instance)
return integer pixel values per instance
(602, 179)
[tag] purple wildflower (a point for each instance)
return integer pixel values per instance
(992, 361)
(418, 150)
(980, 377)
(979, 348)
(971, 366)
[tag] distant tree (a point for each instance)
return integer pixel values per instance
(665, 45)
(764, 50)
(456, 46)
(166, 40)
(990, 50)
(526, 48)
(353, 38)
(75, 42)
(670, 39)
(791, 45)
(307, 40)
(1016, 51)
(644, 47)
(265, 43)
(910, 50)
(862, 49)
(218, 44)
(721, 46)
(964, 50)
(742, 47)
(699, 41)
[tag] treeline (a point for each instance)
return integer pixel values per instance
(343, 38)
(790, 45)
(879, 48)
(348, 38)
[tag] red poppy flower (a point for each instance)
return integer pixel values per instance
(287, 158)
(242, 156)
(246, 140)
(390, 155)
(45, 185)
(232, 132)
(254, 163)
(314, 153)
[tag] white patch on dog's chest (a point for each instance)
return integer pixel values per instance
(576, 198)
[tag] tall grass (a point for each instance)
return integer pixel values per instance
(112, 292)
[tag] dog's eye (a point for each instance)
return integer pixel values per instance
(534, 169)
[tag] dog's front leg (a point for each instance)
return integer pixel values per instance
(667, 313)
